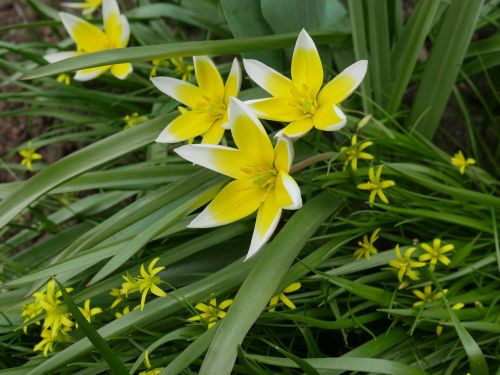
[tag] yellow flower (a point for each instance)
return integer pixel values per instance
(435, 253)
(366, 248)
(355, 152)
(428, 295)
(459, 161)
(301, 101)
(30, 311)
(88, 312)
(28, 157)
(211, 312)
(87, 6)
(148, 282)
(89, 38)
(124, 312)
(133, 119)
(282, 296)
(115, 292)
(64, 78)
(183, 70)
(404, 264)
(156, 64)
(50, 339)
(376, 185)
(208, 102)
(261, 184)
(129, 286)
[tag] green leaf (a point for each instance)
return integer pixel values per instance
(444, 63)
(165, 51)
(255, 293)
(114, 363)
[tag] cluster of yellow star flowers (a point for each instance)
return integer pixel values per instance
(57, 322)
(146, 282)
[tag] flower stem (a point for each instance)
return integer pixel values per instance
(312, 160)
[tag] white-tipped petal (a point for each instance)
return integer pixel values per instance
(287, 192)
(233, 82)
(307, 70)
(58, 56)
(329, 118)
(182, 91)
(283, 154)
(90, 73)
(88, 37)
(269, 79)
(339, 88)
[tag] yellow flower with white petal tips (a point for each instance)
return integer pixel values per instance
(28, 157)
(208, 102)
(355, 152)
(405, 263)
(149, 281)
(376, 185)
(366, 249)
(88, 312)
(87, 6)
(301, 101)
(293, 287)
(459, 161)
(90, 38)
(428, 296)
(262, 181)
(212, 312)
(436, 253)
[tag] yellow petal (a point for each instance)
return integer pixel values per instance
(283, 154)
(88, 37)
(268, 217)
(116, 26)
(214, 134)
(249, 135)
(190, 124)
(208, 77)
(236, 200)
(287, 301)
(329, 118)
(225, 304)
(233, 82)
(221, 159)
(269, 79)
(157, 291)
(180, 90)
(121, 71)
(275, 109)
(306, 64)
(344, 84)
(297, 128)
(90, 73)
(293, 287)
(287, 192)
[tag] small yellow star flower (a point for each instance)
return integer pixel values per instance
(183, 70)
(64, 78)
(50, 339)
(282, 296)
(436, 253)
(300, 101)
(404, 264)
(459, 161)
(29, 312)
(28, 157)
(208, 102)
(376, 185)
(115, 292)
(124, 312)
(428, 295)
(87, 6)
(149, 281)
(133, 120)
(211, 312)
(355, 152)
(88, 312)
(129, 286)
(262, 181)
(366, 249)
(90, 38)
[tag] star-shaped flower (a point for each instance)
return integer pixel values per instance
(89, 312)
(427, 296)
(149, 281)
(436, 253)
(212, 312)
(293, 287)
(28, 157)
(376, 185)
(459, 161)
(262, 181)
(366, 249)
(208, 103)
(301, 101)
(90, 38)
(405, 264)
(355, 152)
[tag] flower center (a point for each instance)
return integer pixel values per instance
(217, 108)
(305, 100)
